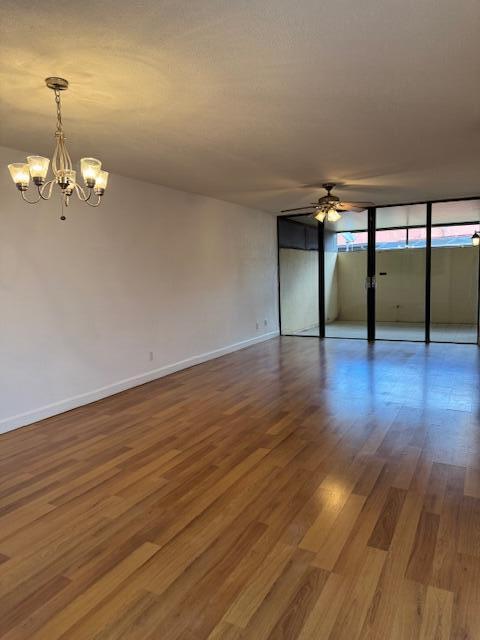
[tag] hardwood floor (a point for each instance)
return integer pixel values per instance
(295, 490)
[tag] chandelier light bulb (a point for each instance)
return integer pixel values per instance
(101, 182)
(38, 167)
(64, 175)
(20, 175)
(71, 177)
(90, 168)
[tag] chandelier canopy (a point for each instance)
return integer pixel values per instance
(64, 176)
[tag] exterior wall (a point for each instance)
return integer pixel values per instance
(401, 293)
(454, 285)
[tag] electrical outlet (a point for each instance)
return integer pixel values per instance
(150, 356)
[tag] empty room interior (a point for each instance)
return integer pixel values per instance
(239, 320)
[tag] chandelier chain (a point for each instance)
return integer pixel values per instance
(61, 160)
(59, 111)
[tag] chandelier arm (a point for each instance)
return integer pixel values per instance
(47, 186)
(63, 164)
(67, 156)
(54, 160)
(94, 204)
(81, 193)
(66, 160)
(30, 201)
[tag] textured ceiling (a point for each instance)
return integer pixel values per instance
(255, 101)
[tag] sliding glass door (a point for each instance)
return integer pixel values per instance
(455, 272)
(400, 245)
(345, 273)
(408, 272)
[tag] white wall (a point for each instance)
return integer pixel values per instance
(84, 302)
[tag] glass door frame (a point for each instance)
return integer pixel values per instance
(371, 271)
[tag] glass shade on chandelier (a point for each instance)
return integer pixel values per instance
(476, 239)
(101, 182)
(38, 168)
(90, 168)
(330, 214)
(20, 175)
(64, 176)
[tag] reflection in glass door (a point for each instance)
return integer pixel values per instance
(345, 264)
(400, 244)
(455, 272)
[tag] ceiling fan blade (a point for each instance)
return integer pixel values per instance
(352, 186)
(312, 206)
(351, 210)
(354, 206)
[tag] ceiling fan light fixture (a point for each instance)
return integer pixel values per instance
(330, 207)
(320, 215)
(333, 215)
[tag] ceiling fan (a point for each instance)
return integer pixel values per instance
(329, 206)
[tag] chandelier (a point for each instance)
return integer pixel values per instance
(64, 176)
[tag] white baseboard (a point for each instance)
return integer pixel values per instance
(23, 419)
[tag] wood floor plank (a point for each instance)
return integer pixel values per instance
(385, 527)
(358, 599)
(472, 483)
(292, 620)
(337, 537)
(250, 598)
(81, 606)
(437, 619)
(322, 617)
(381, 616)
(263, 622)
(420, 565)
(410, 611)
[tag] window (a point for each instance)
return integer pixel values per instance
(352, 240)
(458, 235)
